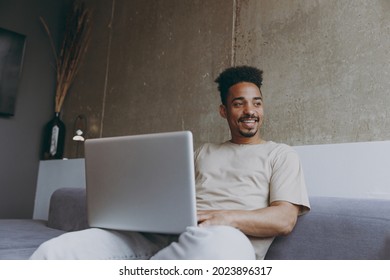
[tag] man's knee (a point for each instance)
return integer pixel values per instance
(50, 249)
(60, 247)
(95, 244)
(72, 245)
(214, 242)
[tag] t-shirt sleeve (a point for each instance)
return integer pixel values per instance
(287, 181)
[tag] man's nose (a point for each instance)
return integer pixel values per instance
(249, 109)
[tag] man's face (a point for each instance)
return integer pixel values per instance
(244, 113)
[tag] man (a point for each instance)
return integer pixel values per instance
(259, 184)
(248, 191)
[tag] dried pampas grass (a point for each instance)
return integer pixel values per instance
(74, 46)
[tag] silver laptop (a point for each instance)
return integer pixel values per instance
(141, 183)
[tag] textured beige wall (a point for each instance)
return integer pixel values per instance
(327, 67)
(151, 67)
(152, 63)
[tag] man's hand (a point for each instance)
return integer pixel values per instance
(215, 217)
(277, 219)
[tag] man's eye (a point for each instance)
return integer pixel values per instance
(237, 104)
(258, 104)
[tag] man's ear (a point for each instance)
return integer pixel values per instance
(222, 111)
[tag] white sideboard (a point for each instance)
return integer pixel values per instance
(55, 174)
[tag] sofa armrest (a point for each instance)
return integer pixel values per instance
(68, 209)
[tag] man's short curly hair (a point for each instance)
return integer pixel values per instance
(235, 75)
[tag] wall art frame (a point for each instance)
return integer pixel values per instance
(12, 47)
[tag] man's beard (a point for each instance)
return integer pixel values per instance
(248, 134)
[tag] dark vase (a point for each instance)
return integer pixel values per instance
(54, 139)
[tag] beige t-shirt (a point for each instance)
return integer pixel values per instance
(248, 177)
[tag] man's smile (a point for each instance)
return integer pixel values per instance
(249, 122)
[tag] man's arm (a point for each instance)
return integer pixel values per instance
(277, 219)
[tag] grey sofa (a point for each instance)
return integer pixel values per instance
(67, 212)
(335, 228)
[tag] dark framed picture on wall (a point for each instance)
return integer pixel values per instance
(12, 46)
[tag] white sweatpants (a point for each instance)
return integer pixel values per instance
(214, 242)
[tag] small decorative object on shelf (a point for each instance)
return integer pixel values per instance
(67, 64)
(54, 138)
(79, 132)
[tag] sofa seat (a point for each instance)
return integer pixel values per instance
(334, 229)
(20, 237)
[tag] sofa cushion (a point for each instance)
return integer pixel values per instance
(68, 209)
(338, 228)
(20, 238)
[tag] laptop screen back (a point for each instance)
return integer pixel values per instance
(141, 183)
